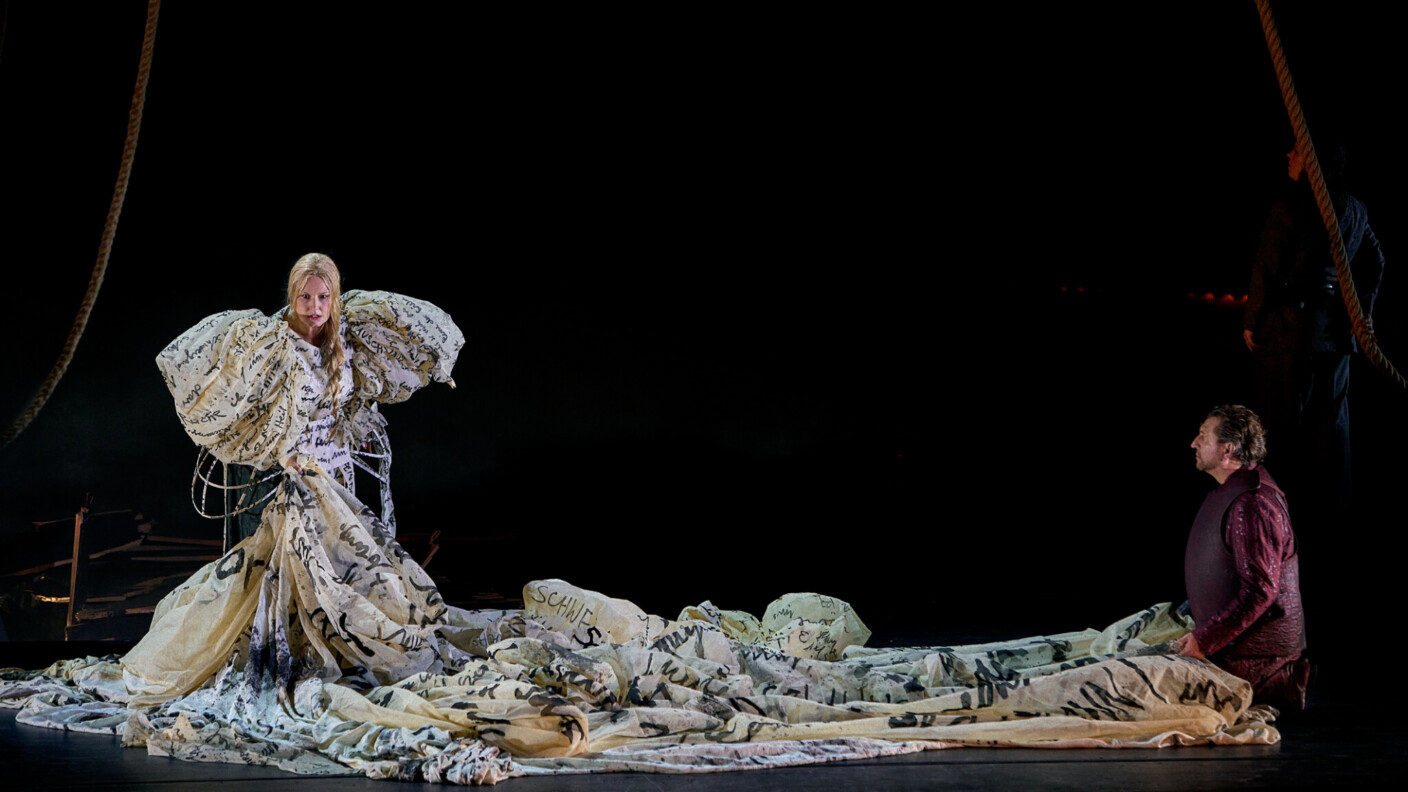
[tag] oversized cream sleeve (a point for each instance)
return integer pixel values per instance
(397, 344)
(239, 389)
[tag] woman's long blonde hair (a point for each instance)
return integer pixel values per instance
(334, 355)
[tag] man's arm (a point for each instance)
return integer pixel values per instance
(1370, 272)
(1259, 535)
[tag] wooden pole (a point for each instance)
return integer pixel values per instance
(78, 573)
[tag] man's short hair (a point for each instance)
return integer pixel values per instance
(1242, 428)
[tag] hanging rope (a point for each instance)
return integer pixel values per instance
(119, 194)
(1367, 342)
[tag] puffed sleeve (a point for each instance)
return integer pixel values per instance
(398, 344)
(239, 389)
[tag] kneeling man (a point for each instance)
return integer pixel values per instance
(1240, 567)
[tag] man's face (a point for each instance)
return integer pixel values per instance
(1209, 452)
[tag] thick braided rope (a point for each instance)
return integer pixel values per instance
(1367, 342)
(119, 194)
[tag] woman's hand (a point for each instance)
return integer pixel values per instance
(1252, 346)
(291, 464)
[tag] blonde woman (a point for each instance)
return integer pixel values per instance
(321, 590)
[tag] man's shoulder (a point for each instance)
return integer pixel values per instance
(1253, 484)
(1262, 497)
(1354, 211)
(1264, 479)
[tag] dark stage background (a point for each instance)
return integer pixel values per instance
(890, 307)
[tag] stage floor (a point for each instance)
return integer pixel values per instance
(1341, 743)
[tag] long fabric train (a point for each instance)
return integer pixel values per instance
(476, 697)
(317, 646)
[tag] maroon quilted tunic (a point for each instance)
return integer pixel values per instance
(1243, 584)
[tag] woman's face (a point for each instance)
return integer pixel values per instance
(314, 303)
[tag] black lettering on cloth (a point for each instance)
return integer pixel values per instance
(348, 635)
(572, 729)
(635, 698)
(231, 564)
(1134, 628)
(249, 569)
(1113, 694)
(1078, 662)
(362, 550)
(1147, 683)
(756, 727)
(593, 636)
(672, 641)
(405, 639)
(738, 702)
(1097, 710)
(546, 702)
(998, 671)
(680, 675)
(1205, 693)
(303, 550)
(986, 690)
(659, 728)
(1060, 650)
(208, 417)
(430, 589)
(435, 617)
(909, 721)
(319, 618)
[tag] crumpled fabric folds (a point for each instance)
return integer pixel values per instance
(246, 386)
(400, 686)
(318, 646)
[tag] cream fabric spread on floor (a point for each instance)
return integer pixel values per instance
(397, 685)
(317, 646)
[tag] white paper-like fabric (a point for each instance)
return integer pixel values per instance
(251, 391)
(404, 687)
(318, 646)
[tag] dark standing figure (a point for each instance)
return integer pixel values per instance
(1241, 568)
(1298, 328)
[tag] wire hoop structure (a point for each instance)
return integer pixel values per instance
(379, 449)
